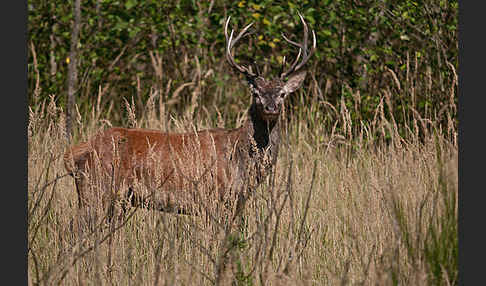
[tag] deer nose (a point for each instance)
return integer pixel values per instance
(271, 108)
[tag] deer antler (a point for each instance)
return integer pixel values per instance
(302, 50)
(230, 42)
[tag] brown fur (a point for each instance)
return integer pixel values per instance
(178, 159)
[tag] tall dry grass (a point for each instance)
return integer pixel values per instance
(346, 205)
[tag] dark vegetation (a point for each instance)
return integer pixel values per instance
(402, 54)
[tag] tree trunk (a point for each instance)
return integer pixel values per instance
(72, 83)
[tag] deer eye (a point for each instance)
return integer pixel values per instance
(254, 90)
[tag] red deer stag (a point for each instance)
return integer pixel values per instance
(223, 156)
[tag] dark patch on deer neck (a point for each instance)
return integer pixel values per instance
(265, 133)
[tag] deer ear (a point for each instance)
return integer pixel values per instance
(253, 85)
(253, 89)
(294, 82)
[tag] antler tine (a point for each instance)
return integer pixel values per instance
(226, 28)
(230, 42)
(256, 68)
(306, 57)
(283, 65)
(306, 33)
(290, 41)
(302, 49)
(294, 64)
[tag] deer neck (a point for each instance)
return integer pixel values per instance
(262, 134)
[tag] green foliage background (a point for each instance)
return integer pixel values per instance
(403, 52)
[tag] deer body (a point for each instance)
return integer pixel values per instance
(221, 155)
(173, 163)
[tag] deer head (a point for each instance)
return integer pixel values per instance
(269, 95)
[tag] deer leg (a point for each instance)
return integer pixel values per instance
(121, 199)
(128, 201)
(85, 217)
(78, 181)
